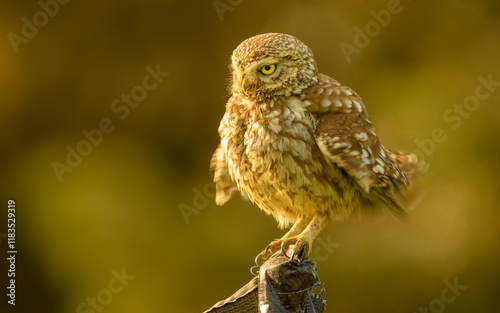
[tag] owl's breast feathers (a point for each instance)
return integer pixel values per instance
(314, 152)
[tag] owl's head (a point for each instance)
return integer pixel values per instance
(271, 65)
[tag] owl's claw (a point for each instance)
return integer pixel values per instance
(283, 250)
(285, 245)
(257, 260)
(266, 251)
(253, 268)
(301, 253)
(271, 249)
(299, 249)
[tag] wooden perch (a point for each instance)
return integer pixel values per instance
(281, 286)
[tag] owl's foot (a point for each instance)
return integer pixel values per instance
(299, 248)
(296, 248)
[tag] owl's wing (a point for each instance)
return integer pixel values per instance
(225, 187)
(345, 135)
(349, 141)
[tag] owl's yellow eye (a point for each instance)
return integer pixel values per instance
(268, 69)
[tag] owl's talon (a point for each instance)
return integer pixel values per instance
(300, 253)
(254, 267)
(299, 249)
(257, 260)
(285, 245)
(271, 249)
(266, 251)
(303, 251)
(283, 250)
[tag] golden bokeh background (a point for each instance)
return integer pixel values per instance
(117, 209)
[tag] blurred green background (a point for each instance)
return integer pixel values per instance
(118, 210)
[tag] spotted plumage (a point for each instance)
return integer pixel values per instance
(300, 144)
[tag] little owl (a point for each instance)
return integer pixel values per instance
(300, 144)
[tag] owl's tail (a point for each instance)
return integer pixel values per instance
(417, 172)
(409, 163)
(400, 194)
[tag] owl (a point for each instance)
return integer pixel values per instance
(300, 145)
